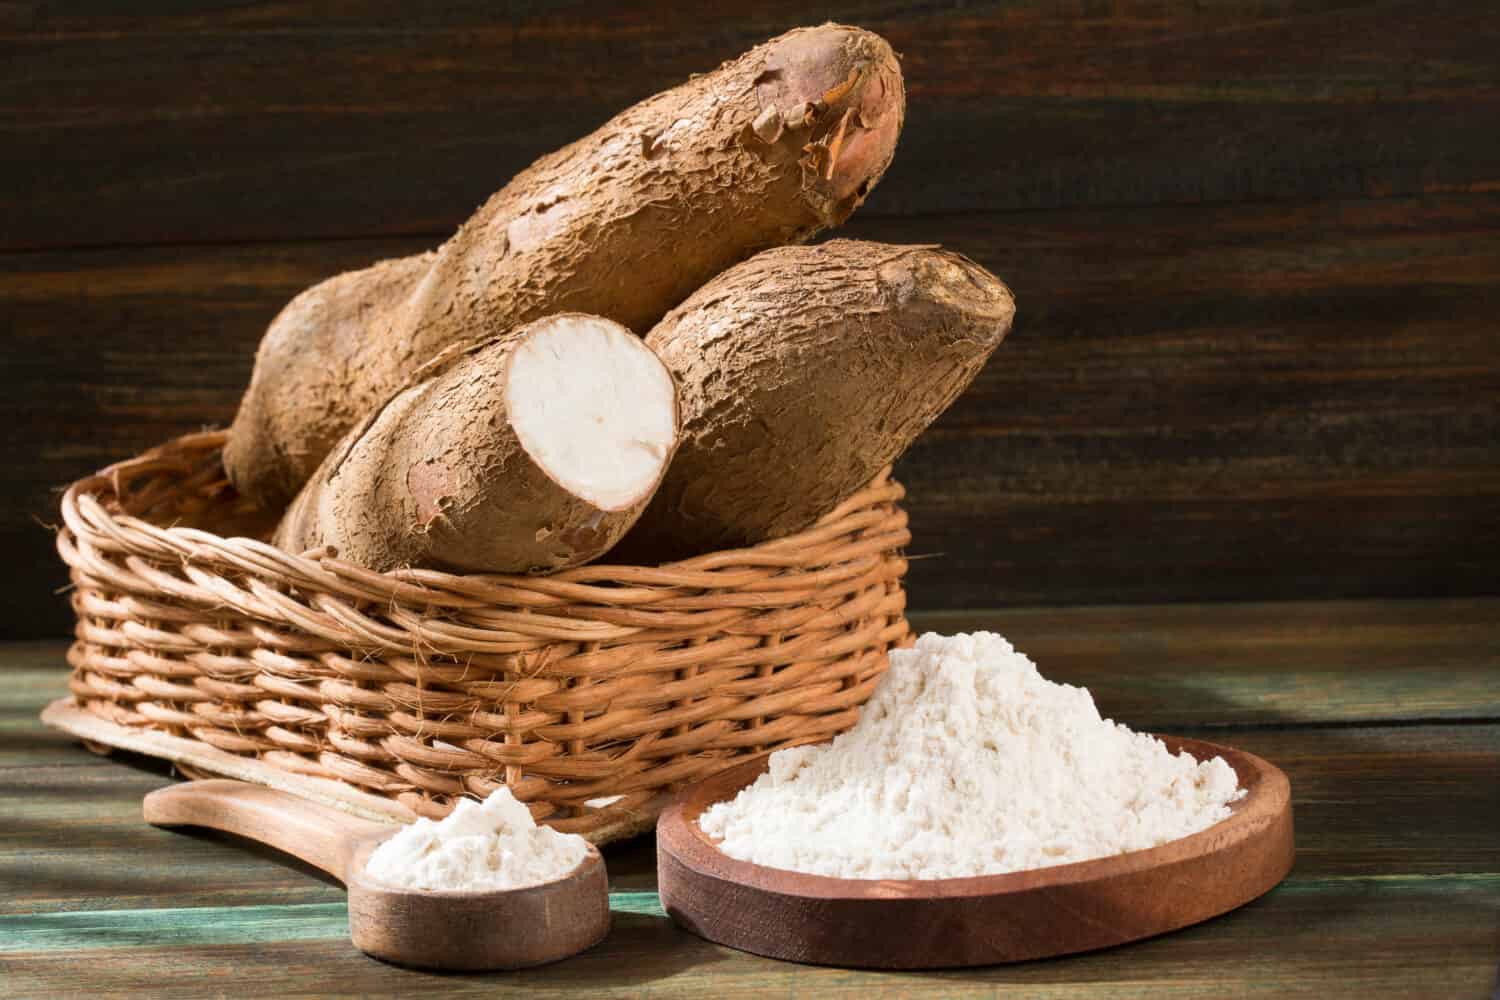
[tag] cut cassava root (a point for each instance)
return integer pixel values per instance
(533, 452)
(802, 373)
(768, 149)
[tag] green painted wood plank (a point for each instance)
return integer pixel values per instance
(1325, 937)
(641, 904)
(96, 930)
(171, 927)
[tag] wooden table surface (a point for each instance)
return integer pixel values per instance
(1385, 715)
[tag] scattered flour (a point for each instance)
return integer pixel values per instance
(966, 761)
(494, 844)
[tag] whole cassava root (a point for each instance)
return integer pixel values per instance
(533, 452)
(768, 149)
(290, 418)
(802, 372)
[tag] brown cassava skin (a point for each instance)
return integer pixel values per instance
(802, 372)
(438, 479)
(288, 421)
(768, 149)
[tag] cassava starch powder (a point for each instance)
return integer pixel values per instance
(966, 761)
(494, 844)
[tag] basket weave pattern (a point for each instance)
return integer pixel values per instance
(590, 693)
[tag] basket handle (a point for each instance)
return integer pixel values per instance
(323, 837)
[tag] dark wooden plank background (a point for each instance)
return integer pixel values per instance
(1256, 248)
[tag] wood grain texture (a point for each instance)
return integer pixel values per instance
(1222, 403)
(1346, 939)
(327, 839)
(460, 930)
(1354, 938)
(112, 351)
(270, 121)
(1165, 667)
(965, 922)
(1312, 687)
(1198, 402)
(1395, 893)
(1255, 248)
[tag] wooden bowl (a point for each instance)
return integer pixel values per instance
(945, 923)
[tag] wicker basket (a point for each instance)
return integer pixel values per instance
(591, 693)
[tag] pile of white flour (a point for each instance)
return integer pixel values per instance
(494, 844)
(966, 761)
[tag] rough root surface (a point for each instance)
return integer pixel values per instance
(802, 372)
(768, 149)
(438, 477)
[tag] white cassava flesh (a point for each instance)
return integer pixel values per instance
(534, 452)
(769, 148)
(594, 409)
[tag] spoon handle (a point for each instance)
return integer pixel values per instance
(315, 833)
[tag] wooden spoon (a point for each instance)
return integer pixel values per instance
(944, 923)
(495, 929)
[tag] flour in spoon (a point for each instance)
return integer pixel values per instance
(966, 761)
(481, 846)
